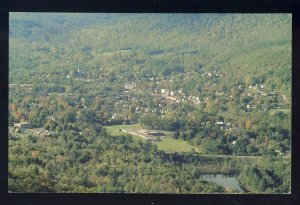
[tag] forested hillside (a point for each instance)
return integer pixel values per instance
(242, 45)
(219, 83)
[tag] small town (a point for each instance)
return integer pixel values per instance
(160, 103)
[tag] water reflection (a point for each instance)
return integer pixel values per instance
(228, 181)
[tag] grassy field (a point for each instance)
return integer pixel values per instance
(175, 145)
(273, 112)
(114, 130)
(166, 144)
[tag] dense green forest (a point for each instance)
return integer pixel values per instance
(219, 82)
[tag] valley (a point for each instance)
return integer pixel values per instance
(149, 103)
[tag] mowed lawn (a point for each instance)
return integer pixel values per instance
(114, 130)
(166, 144)
(175, 145)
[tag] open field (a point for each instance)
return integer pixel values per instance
(175, 145)
(167, 144)
(114, 130)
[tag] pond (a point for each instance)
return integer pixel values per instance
(225, 180)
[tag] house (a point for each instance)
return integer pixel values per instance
(149, 135)
(38, 132)
(278, 152)
(156, 134)
(47, 133)
(172, 99)
(18, 130)
(197, 102)
(263, 93)
(23, 125)
(220, 123)
(126, 122)
(103, 76)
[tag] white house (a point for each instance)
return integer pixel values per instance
(220, 123)
(23, 125)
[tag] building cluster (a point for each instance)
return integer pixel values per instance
(20, 127)
(43, 132)
(149, 135)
